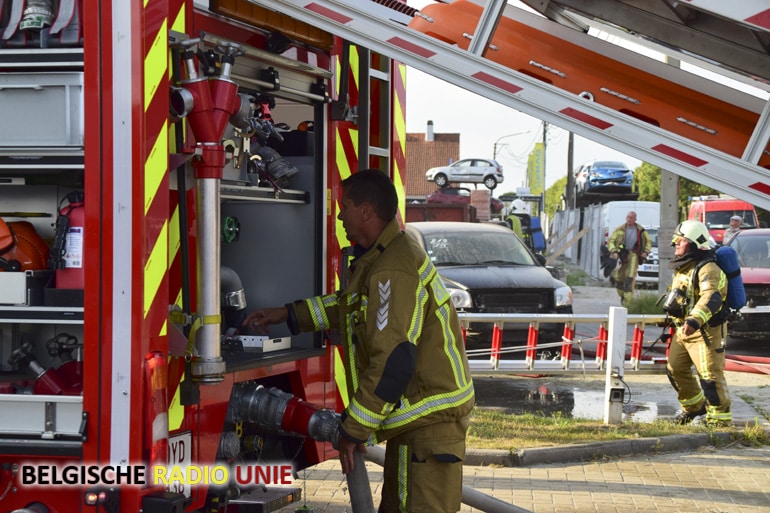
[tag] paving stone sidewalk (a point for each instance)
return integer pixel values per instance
(727, 480)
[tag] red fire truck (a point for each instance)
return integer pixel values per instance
(189, 155)
(168, 165)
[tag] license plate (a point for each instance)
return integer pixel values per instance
(650, 268)
(180, 454)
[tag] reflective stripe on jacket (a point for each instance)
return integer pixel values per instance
(706, 298)
(617, 240)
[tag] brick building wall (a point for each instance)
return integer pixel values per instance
(424, 151)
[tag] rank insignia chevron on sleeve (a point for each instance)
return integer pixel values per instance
(382, 311)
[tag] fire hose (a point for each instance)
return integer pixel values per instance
(276, 410)
(734, 363)
(753, 364)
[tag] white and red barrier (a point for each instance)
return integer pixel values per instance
(572, 342)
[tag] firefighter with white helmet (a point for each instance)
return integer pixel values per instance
(518, 206)
(696, 303)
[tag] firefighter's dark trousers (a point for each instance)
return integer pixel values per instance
(709, 386)
(424, 469)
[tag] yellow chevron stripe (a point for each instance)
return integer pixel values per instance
(354, 65)
(400, 189)
(175, 408)
(178, 24)
(399, 120)
(353, 68)
(345, 170)
(342, 241)
(340, 232)
(174, 238)
(178, 299)
(156, 64)
(399, 114)
(175, 411)
(337, 77)
(343, 159)
(155, 167)
(339, 377)
(156, 267)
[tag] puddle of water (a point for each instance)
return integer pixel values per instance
(541, 397)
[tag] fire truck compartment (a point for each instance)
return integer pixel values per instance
(54, 100)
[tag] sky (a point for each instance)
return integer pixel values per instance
(482, 123)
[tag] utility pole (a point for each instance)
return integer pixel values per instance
(495, 145)
(542, 193)
(570, 192)
(669, 215)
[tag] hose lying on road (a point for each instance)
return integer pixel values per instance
(734, 363)
(753, 364)
(471, 497)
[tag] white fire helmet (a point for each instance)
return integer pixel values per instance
(694, 231)
(518, 205)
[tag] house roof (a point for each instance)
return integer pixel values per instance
(422, 155)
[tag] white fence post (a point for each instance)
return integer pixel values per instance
(616, 355)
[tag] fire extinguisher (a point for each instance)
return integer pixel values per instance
(67, 248)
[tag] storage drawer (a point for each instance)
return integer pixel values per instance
(23, 288)
(50, 103)
(46, 416)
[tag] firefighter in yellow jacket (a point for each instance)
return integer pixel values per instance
(407, 372)
(696, 302)
(629, 242)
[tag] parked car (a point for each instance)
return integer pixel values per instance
(486, 171)
(753, 248)
(488, 269)
(604, 176)
(647, 272)
(461, 195)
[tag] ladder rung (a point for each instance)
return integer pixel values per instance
(379, 75)
(378, 152)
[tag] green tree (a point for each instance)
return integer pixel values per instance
(553, 195)
(647, 183)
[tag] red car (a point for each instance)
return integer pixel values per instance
(460, 195)
(753, 248)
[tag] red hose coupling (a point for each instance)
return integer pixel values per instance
(210, 161)
(296, 417)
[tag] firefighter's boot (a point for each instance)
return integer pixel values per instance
(685, 417)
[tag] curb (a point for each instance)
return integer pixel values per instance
(591, 451)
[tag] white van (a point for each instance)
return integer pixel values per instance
(613, 214)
